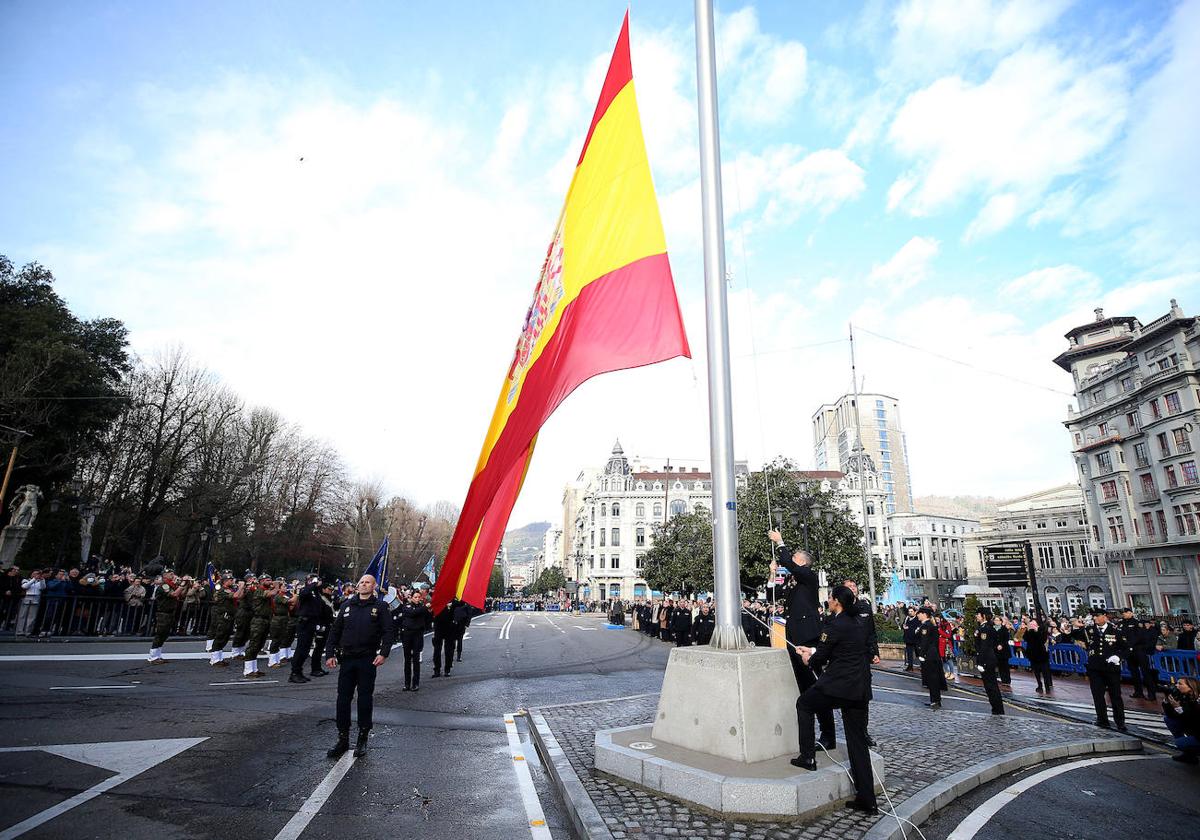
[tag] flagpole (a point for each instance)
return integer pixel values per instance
(728, 634)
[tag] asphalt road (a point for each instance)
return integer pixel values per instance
(215, 755)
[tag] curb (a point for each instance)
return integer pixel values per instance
(925, 802)
(585, 818)
(90, 640)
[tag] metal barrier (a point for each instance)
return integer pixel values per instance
(1072, 659)
(92, 616)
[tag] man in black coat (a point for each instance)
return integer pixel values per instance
(1106, 646)
(681, 624)
(911, 625)
(445, 637)
(987, 655)
(844, 683)
(359, 642)
(308, 616)
(803, 622)
(414, 620)
(930, 657)
(703, 625)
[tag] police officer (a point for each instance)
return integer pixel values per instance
(462, 620)
(911, 625)
(844, 683)
(681, 624)
(360, 640)
(444, 638)
(323, 624)
(224, 606)
(862, 608)
(308, 617)
(167, 597)
(413, 619)
(1004, 652)
(703, 625)
(1106, 646)
(803, 623)
(987, 656)
(1130, 628)
(930, 657)
(1142, 648)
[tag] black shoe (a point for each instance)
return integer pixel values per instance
(1186, 758)
(934, 706)
(407, 688)
(870, 741)
(343, 744)
(447, 672)
(459, 659)
(994, 712)
(1103, 724)
(855, 805)
(804, 763)
(436, 674)
(318, 672)
(830, 744)
(1122, 728)
(298, 678)
(360, 748)
(417, 687)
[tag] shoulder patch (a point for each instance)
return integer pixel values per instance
(824, 637)
(924, 632)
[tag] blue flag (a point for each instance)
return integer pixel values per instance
(429, 572)
(210, 574)
(378, 567)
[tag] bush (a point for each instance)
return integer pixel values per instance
(886, 630)
(970, 608)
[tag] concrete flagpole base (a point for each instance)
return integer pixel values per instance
(722, 739)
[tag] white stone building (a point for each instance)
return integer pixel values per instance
(928, 552)
(1054, 522)
(1134, 435)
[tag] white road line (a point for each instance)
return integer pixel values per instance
(978, 818)
(300, 820)
(86, 687)
(577, 627)
(506, 629)
(945, 695)
(98, 657)
(553, 623)
(247, 682)
(533, 806)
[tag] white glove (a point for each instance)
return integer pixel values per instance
(980, 668)
(920, 658)
(1115, 660)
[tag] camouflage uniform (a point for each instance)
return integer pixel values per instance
(260, 624)
(166, 609)
(224, 607)
(242, 618)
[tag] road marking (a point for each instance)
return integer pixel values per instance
(945, 695)
(86, 687)
(247, 682)
(978, 818)
(577, 627)
(553, 623)
(506, 629)
(125, 758)
(533, 806)
(98, 657)
(300, 820)
(604, 700)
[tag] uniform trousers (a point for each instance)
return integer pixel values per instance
(815, 703)
(806, 676)
(443, 650)
(992, 688)
(413, 642)
(306, 629)
(355, 673)
(934, 678)
(1107, 681)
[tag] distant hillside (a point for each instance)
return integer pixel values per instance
(967, 507)
(524, 543)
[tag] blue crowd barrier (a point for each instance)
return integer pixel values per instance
(1072, 659)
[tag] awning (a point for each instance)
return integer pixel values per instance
(983, 591)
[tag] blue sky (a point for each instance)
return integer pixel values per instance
(971, 178)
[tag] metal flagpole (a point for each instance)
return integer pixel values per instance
(862, 485)
(728, 634)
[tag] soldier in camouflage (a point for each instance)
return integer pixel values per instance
(260, 624)
(167, 597)
(224, 608)
(244, 614)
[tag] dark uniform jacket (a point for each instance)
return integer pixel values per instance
(862, 608)
(702, 628)
(444, 622)
(1101, 643)
(927, 642)
(309, 603)
(841, 656)
(413, 618)
(362, 627)
(1035, 645)
(803, 614)
(681, 624)
(911, 625)
(986, 642)
(1002, 638)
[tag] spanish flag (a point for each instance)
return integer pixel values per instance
(604, 301)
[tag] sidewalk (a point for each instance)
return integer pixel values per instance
(921, 760)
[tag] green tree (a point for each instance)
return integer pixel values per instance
(496, 583)
(969, 624)
(60, 376)
(548, 582)
(681, 558)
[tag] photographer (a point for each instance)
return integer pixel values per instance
(1181, 714)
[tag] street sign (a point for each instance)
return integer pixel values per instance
(1006, 565)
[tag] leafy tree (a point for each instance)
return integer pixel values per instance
(969, 624)
(60, 376)
(549, 581)
(496, 583)
(681, 559)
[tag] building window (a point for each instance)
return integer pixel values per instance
(616, 509)
(1116, 529)
(616, 561)
(870, 508)
(639, 536)
(1148, 521)
(1132, 419)
(1096, 598)
(1021, 526)
(602, 560)
(1163, 446)
(1089, 560)
(1172, 401)
(604, 510)
(1148, 488)
(1127, 383)
(1162, 522)
(1182, 443)
(1045, 556)
(1041, 525)
(592, 562)
(1053, 600)
(1172, 479)
(1185, 520)
(603, 534)
(1103, 463)
(678, 506)
(1170, 566)
(1109, 490)
(640, 511)
(1062, 523)
(639, 561)
(1189, 472)
(616, 536)
(1140, 602)
(658, 510)
(1155, 412)
(591, 539)
(1141, 456)
(1066, 555)
(1178, 604)
(1133, 566)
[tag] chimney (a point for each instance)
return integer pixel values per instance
(1099, 314)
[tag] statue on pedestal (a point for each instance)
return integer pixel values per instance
(25, 505)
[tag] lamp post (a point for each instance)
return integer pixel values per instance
(212, 533)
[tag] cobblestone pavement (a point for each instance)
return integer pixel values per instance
(918, 747)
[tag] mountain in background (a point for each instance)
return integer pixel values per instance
(966, 507)
(524, 543)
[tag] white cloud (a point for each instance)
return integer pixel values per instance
(787, 182)
(1056, 283)
(769, 73)
(996, 215)
(907, 267)
(934, 36)
(1039, 116)
(827, 289)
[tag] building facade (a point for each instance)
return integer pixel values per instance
(877, 416)
(928, 552)
(846, 487)
(1134, 432)
(1070, 575)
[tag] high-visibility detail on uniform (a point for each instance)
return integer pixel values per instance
(605, 301)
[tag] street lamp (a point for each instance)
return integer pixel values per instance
(212, 534)
(809, 510)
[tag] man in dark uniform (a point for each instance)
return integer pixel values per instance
(703, 625)
(324, 622)
(359, 642)
(444, 633)
(1106, 646)
(1129, 627)
(987, 650)
(1141, 649)
(911, 625)
(930, 657)
(462, 620)
(413, 621)
(803, 622)
(308, 616)
(224, 606)
(681, 624)
(1004, 652)
(844, 683)
(862, 608)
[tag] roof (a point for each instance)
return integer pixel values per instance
(681, 475)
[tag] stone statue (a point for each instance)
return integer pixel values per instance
(26, 505)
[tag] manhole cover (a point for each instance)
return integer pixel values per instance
(641, 745)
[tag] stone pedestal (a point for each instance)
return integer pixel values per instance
(734, 704)
(11, 540)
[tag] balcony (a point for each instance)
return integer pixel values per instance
(1149, 497)
(1155, 539)
(1158, 375)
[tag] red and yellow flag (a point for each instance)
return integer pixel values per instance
(605, 301)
